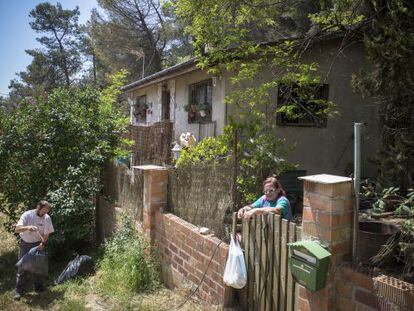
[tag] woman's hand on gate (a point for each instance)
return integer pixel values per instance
(250, 213)
(243, 210)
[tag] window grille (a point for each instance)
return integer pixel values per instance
(302, 106)
(200, 102)
(140, 109)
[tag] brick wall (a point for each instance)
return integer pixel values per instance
(361, 289)
(327, 218)
(187, 255)
(355, 289)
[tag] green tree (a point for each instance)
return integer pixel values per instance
(40, 77)
(61, 37)
(387, 28)
(139, 35)
(389, 42)
(58, 61)
(231, 36)
(231, 32)
(55, 150)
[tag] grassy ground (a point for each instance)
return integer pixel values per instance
(81, 294)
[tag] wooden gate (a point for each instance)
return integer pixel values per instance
(270, 285)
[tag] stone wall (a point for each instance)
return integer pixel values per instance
(202, 195)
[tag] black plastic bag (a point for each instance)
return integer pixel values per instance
(72, 269)
(34, 261)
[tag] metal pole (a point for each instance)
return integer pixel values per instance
(143, 65)
(357, 182)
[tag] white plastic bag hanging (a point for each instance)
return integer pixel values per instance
(235, 274)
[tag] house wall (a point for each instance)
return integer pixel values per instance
(153, 101)
(327, 149)
(330, 149)
(182, 98)
(179, 92)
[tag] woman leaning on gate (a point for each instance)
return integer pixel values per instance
(272, 201)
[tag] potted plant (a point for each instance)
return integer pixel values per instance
(192, 110)
(204, 109)
(140, 111)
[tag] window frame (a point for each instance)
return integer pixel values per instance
(136, 105)
(197, 118)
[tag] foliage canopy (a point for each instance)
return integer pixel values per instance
(54, 149)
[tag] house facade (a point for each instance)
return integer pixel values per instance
(194, 102)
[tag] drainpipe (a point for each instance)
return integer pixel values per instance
(143, 65)
(357, 182)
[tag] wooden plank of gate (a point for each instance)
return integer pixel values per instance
(290, 282)
(270, 244)
(257, 283)
(234, 225)
(246, 244)
(263, 276)
(251, 270)
(283, 264)
(298, 238)
(276, 265)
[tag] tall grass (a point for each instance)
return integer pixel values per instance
(127, 266)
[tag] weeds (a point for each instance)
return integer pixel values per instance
(127, 266)
(127, 279)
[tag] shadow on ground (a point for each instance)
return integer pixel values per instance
(43, 300)
(7, 271)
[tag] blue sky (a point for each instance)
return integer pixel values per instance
(17, 36)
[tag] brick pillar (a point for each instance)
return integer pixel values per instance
(155, 196)
(327, 217)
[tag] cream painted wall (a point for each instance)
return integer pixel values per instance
(330, 149)
(179, 97)
(182, 97)
(153, 102)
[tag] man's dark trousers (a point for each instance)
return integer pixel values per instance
(23, 276)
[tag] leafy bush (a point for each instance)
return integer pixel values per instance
(390, 199)
(54, 148)
(208, 150)
(128, 264)
(259, 155)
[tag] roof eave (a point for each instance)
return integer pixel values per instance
(161, 75)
